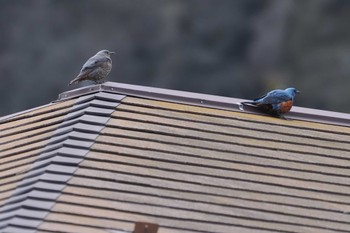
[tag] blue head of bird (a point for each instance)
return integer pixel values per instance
(292, 91)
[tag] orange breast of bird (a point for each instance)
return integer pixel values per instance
(286, 106)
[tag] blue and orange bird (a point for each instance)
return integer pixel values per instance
(276, 102)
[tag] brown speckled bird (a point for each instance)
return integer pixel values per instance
(96, 68)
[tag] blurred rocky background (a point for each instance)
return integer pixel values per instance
(234, 48)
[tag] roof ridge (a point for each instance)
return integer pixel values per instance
(204, 100)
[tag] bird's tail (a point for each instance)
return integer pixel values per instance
(77, 79)
(71, 82)
(247, 103)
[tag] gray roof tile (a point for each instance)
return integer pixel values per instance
(20, 229)
(182, 160)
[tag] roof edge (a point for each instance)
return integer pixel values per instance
(6, 117)
(205, 100)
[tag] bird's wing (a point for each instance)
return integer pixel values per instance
(260, 98)
(94, 62)
(275, 97)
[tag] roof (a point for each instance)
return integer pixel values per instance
(104, 157)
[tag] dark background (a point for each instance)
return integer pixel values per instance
(234, 48)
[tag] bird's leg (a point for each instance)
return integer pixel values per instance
(99, 81)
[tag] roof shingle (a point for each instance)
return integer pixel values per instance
(102, 161)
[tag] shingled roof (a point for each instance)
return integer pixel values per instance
(102, 158)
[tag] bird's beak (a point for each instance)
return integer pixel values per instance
(111, 53)
(297, 91)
